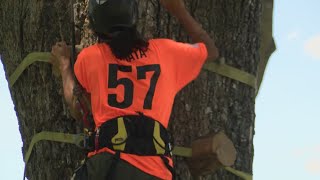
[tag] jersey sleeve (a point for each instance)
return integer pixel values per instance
(80, 72)
(186, 60)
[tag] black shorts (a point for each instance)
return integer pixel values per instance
(98, 168)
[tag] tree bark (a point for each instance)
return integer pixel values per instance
(210, 104)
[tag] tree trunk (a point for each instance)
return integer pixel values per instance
(211, 103)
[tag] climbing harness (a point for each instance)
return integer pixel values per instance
(135, 134)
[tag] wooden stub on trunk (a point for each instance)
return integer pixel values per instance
(210, 153)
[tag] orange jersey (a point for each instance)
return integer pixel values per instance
(146, 82)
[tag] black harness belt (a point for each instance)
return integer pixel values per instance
(134, 134)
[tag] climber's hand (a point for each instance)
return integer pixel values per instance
(61, 52)
(173, 6)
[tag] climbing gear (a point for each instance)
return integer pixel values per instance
(80, 173)
(76, 139)
(106, 14)
(243, 175)
(221, 69)
(83, 105)
(26, 62)
(231, 72)
(134, 134)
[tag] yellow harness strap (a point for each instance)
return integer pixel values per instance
(157, 140)
(119, 139)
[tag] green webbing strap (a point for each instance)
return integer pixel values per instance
(182, 151)
(53, 136)
(76, 139)
(241, 174)
(233, 73)
(27, 61)
(219, 68)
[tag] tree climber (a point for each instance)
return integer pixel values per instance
(132, 83)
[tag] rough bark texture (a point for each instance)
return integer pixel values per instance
(28, 26)
(210, 104)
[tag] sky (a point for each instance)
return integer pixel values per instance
(287, 144)
(286, 141)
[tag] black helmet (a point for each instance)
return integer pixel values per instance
(107, 14)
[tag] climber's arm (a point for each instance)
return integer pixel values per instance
(194, 29)
(62, 54)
